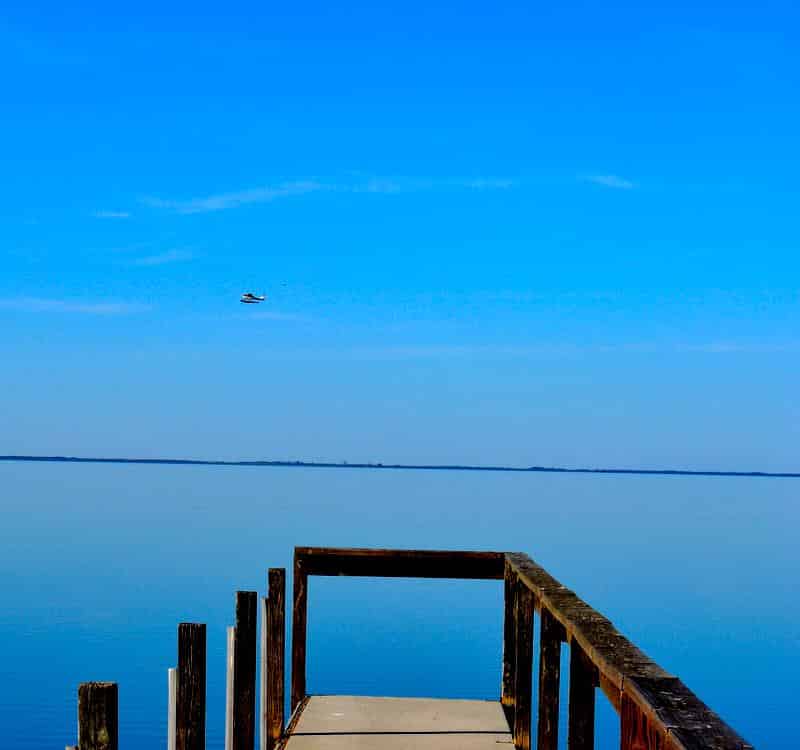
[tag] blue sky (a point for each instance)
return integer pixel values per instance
(488, 232)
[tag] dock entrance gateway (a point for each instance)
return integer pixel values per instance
(657, 711)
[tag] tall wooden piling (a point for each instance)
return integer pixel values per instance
(190, 711)
(550, 637)
(523, 660)
(98, 716)
(276, 645)
(231, 644)
(244, 671)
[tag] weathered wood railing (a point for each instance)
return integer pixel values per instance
(657, 711)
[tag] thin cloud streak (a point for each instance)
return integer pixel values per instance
(170, 256)
(43, 305)
(111, 214)
(269, 193)
(611, 181)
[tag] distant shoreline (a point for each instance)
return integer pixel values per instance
(400, 467)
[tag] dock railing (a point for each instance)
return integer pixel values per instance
(657, 711)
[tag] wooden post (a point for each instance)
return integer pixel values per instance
(98, 717)
(550, 639)
(583, 679)
(190, 713)
(231, 633)
(523, 660)
(276, 646)
(262, 679)
(244, 671)
(509, 643)
(635, 731)
(172, 698)
(299, 615)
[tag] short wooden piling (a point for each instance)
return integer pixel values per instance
(523, 660)
(190, 710)
(583, 679)
(98, 716)
(244, 671)
(172, 699)
(509, 643)
(550, 637)
(276, 644)
(299, 615)
(231, 644)
(262, 678)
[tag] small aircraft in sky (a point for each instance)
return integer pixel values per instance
(252, 299)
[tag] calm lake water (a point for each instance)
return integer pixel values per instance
(99, 563)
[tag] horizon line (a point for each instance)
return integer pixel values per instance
(397, 466)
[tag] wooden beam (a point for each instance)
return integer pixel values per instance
(299, 619)
(620, 663)
(276, 644)
(190, 705)
(583, 679)
(98, 716)
(550, 636)
(324, 561)
(523, 660)
(244, 671)
(509, 644)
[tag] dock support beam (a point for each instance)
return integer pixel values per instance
(98, 716)
(244, 671)
(509, 644)
(276, 644)
(550, 637)
(299, 614)
(583, 679)
(523, 660)
(190, 713)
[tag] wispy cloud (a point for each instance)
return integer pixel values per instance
(111, 215)
(160, 259)
(269, 193)
(611, 181)
(224, 201)
(45, 305)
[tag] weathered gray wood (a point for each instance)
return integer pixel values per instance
(229, 664)
(325, 561)
(244, 671)
(583, 680)
(172, 701)
(550, 636)
(509, 643)
(276, 645)
(98, 716)
(523, 660)
(299, 618)
(190, 712)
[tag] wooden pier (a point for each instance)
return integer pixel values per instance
(657, 711)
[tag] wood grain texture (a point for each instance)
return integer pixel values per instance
(509, 643)
(98, 716)
(299, 622)
(622, 666)
(550, 637)
(523, 683)
(190, 706)
(244, 671)
(324, 561)
(276, 644)
(583, 679)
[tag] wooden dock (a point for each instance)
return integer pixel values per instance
(657, 711)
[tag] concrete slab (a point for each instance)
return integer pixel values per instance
(334, 722)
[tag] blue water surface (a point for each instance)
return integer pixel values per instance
(100, 563)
